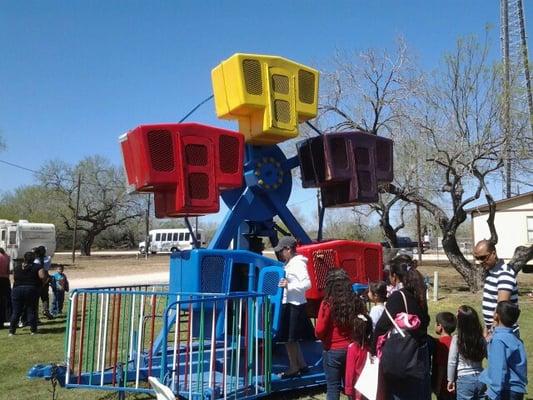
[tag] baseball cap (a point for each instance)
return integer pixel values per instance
(285, 241)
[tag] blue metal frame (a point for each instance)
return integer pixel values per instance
(264, 195)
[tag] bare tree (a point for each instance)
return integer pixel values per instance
(458, 116)
(446, 127)
(104, 202)
(367, 91)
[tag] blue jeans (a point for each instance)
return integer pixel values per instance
(57, 303)
(334, 366)
(468, 387)
(24, 297)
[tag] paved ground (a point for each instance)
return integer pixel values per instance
(148, 278)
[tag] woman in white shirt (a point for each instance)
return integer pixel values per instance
(295, 325)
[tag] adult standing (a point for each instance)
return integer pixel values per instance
(295, 325)
(26, 285)
(499, 284)
(411, 299)
(45, 262)
(5, 289)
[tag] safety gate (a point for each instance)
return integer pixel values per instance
(116, 339)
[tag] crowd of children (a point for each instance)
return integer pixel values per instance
(450, 365)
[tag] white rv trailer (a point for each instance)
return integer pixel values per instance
(168, 240)
(19, 237)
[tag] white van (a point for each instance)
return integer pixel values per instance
(20, 237)
(168, 240)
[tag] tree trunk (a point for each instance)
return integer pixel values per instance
(87, 243)
(522, 255)
(389, 232)
(470, 272)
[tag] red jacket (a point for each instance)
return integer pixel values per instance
(355, 361)
(331, 336)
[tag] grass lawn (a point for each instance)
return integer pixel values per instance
(19, 353)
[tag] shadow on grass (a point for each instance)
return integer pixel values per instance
(54, 322)
(313, 393)
(46, 330)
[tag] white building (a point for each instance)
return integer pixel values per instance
(513, 222)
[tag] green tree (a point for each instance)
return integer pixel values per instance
(103, 202)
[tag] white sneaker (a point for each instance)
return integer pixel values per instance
(11, 334)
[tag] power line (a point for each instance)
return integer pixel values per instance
(196, 108)
(51, 176)
(310, 125)
(19, 166)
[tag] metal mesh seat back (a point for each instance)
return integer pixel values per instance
(270, 283)
(269, 278)
(323, 262)
(341, 194)
(339, 159)
(307, 171)
(213, 275)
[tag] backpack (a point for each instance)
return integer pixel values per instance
(403, 356)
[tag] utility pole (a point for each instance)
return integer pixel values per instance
(76, 220)
(504, 9)
(320, 213)
(147, 229)
(516, 79)
(525, 60)
(419, 233)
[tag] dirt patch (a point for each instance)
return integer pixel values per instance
(102, 266)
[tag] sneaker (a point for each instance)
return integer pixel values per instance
(33, 333)
(11, 334)
(21, 324)
(48, 315)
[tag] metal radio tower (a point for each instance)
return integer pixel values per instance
(516, 82)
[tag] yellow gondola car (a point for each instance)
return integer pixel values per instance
(268, 95)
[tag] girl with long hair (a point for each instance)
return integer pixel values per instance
(467, 351)
(341, 320)
(358, 349)
(410, 299)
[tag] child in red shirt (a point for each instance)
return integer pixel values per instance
(357, 353)
(445, 324)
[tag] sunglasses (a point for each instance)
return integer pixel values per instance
(483, 258)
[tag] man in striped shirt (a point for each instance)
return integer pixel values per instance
(500, 281)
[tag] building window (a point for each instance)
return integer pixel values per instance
(530, 229)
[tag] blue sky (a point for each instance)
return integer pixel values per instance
(74, 75)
